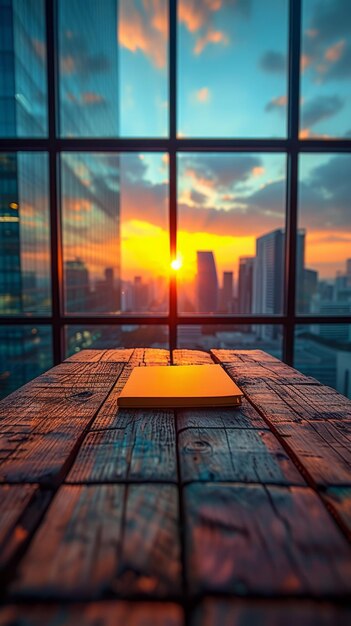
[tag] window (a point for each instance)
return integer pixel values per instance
(134, 133)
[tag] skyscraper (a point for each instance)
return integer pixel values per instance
(227, 293)
(245, 286)
(206, 282)
(268, 274)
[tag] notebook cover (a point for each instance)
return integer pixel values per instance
(179, 386)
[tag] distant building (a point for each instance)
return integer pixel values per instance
(78, 296)
(245, 284)
(227, 293)
(107, 296)
(140, 295)
(268, 274)
(206, 282)
(310, 288)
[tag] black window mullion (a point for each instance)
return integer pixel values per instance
(173, 169)
(292, 177)
(55, 222)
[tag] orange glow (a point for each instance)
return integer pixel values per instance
(176, 264)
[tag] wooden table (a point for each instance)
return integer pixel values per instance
(165, 518)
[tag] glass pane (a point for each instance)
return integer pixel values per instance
(325, 69)
(324, 352)
(231, 215)
(231, 337)
(23, 93)
(324, 256)
(24, 234)
(108, 337)
(115, 232)
(25, 352)
(232, 68)
(113, 68)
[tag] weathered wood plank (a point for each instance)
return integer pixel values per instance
(149, 356)
(85, 546)
(21, 507)
(263, 541)
(56, 402)
(191, 357)
(270, 405)
(42, 459)
(226, 417)
(231, 356)
(338, 499)
(245, 368)
(86, 356)
(144, 449)
(113, 613)
(121, 355)
(150, 555)
(89, 375)
(222, 612)
(237, 455)
(315, 403)
(323, 450)
(109, 415)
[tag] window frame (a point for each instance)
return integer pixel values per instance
(292, 146)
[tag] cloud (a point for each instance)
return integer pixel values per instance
(144, 31)
(326, 40)
(324, 196)
(220, 173)
(198, 17)
(76, 57)
(273, 62)
(277, 104)
(203, 94)
(212, 36)
(197, 197)
(320, 108)
(334, 53)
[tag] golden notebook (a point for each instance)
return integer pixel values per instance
(179, 386)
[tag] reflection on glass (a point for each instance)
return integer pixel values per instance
(24, 234)
(231, 214)
(230, 337)
(324, 262)
(107, 337)
(232, 68)
(25, 352)
(115, 232)
(23, 93)
(324, 352)
(113, 68)
(325, 69)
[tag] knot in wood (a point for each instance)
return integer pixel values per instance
(198, 446)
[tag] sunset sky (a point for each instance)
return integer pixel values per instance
(232, 81)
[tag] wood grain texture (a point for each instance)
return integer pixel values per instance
(263, 540)
(323, 450)
(84, 547)
(257, 365)
(235, 455)
(110, 416)
(21, 507)
(191, 357)
(144, 449)
(268, 613)
(40, 459)
(244, 416)
(311, 402)
(113, 613)
(339, 501)
(150, 556)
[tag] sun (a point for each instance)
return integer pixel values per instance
(176, 264)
